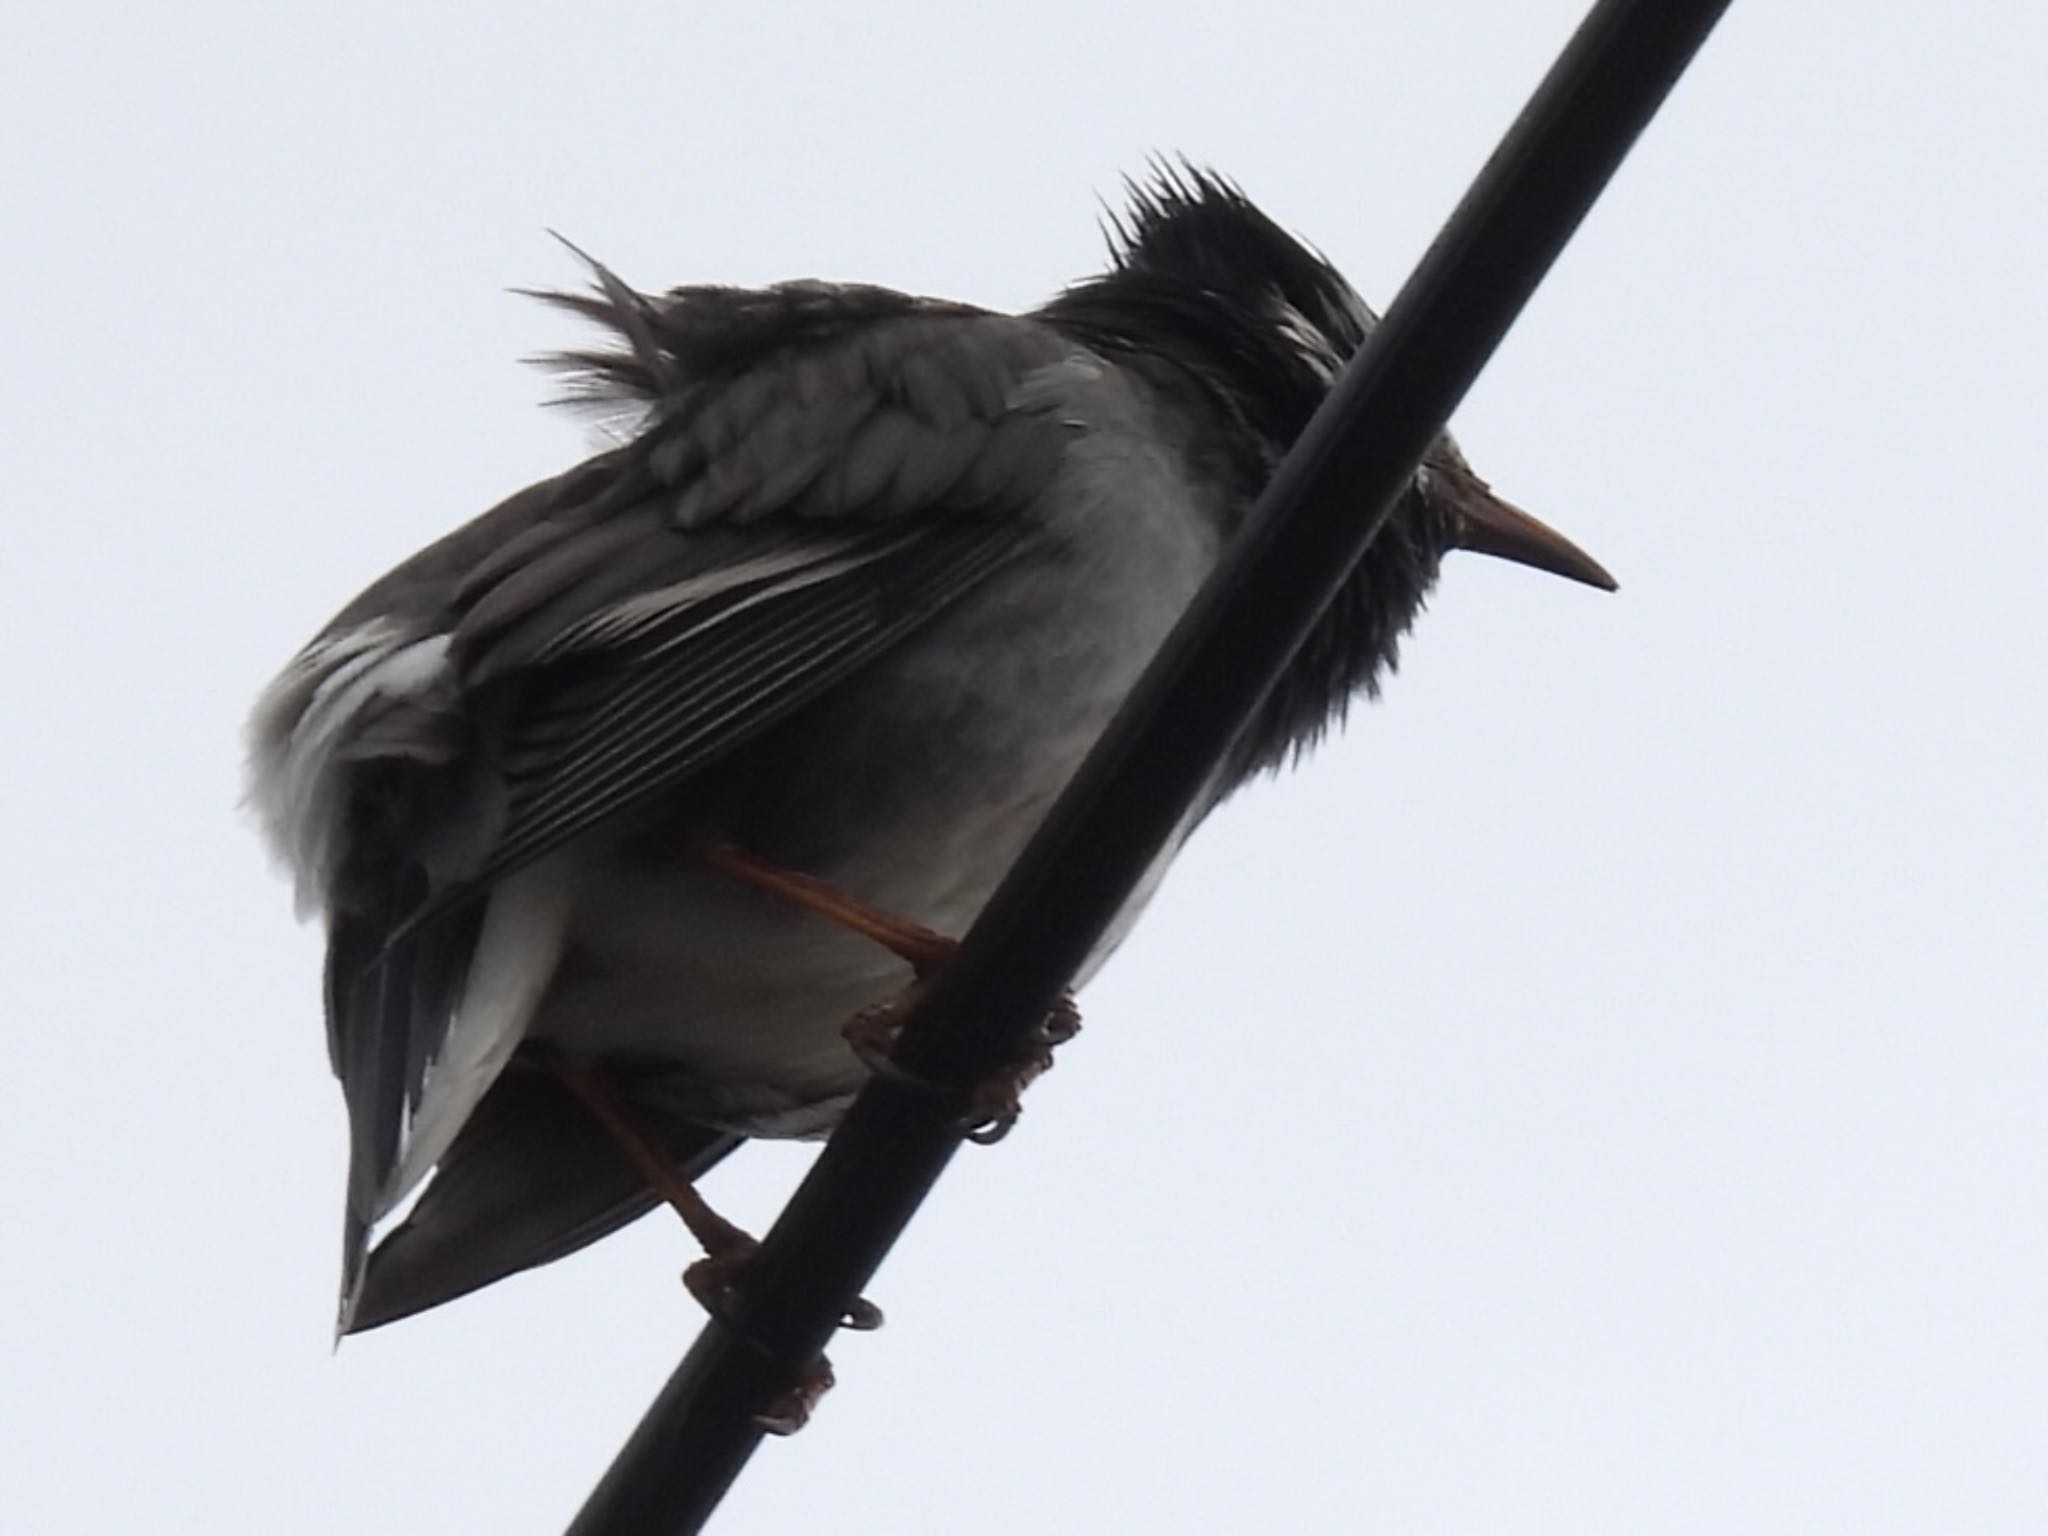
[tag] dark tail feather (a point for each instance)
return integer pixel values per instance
(530, 1179)
(392, 986)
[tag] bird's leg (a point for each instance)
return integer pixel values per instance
(920, 947)
(726, 1247)
(994, 1103)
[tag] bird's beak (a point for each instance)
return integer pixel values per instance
(1492, 526)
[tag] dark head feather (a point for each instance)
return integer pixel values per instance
(1194, 227)
(1217, 304)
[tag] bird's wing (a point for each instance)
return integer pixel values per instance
(817, 473)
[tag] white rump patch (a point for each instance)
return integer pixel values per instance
(301, 731)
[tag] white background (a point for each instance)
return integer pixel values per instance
(1602, 1093)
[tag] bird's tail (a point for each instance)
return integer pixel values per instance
(530, 1179)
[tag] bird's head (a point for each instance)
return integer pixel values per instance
(1219, 304)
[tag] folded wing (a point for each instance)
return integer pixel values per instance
(815, 474)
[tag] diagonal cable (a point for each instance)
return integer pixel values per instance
(1325, 504)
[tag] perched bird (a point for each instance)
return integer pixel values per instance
(607, 796)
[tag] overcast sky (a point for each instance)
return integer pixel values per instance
(1601, 1093)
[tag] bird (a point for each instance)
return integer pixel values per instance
(620, 800)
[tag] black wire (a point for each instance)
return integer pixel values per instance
(1325, 504)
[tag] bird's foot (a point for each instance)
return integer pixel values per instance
(711, 1280)
(873, 1032)
(997, 1100)
(792, 1410)
(994, 1103)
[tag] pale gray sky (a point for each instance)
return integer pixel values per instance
(1602, 1093)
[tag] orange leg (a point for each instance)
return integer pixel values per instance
(873, 1031)
(726, 1247)
(923, 949)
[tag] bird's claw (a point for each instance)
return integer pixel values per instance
(995, 1103)
(712, 1278)
(1060, 1024)
(873, 1032)
(792, 1410)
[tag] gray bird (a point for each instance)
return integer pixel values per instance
(865, 577)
